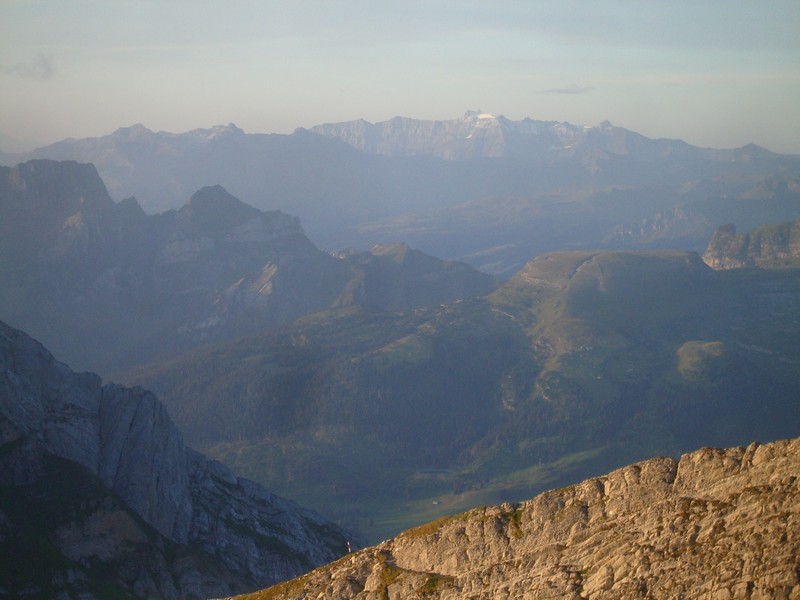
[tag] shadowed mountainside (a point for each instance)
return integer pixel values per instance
(582, 362)
(100, 498)
(106, 286)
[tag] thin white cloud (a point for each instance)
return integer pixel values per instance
(570, 89)
(669, 78)
(40, 68)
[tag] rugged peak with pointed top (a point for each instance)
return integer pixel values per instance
(135, 131)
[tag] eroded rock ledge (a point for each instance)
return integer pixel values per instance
(715, 524)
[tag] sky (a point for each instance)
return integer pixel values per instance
(714, 73)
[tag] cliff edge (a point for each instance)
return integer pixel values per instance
(768, 247)
(713, 524)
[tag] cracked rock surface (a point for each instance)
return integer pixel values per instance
(717, 523)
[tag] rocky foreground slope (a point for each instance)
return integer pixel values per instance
(715, 524)
(100, 498)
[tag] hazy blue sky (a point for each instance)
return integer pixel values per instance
(715, 73)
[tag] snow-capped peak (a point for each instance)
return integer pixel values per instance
(220, 130)
(474, 115)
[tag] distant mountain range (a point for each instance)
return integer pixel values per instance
(384, 387)
(484, 135)
(717, 523)
(397, 365)
(452, 188)
(99, 497)
(107, 286)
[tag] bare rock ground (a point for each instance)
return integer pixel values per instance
(717, 524)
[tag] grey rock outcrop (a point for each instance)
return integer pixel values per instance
(771, 246)
(714, 524)
(162, 494)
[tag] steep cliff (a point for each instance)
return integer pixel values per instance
(107, 472)
(769, 247)
(714, 524)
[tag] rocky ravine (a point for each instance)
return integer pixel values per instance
(715, 524)
(101, 473)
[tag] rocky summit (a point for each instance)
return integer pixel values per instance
(99, 497)
(718, 524)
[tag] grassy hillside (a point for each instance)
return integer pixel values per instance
(582, 362)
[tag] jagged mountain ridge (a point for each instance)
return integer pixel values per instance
(583, 361)
(106, 285)
(770, 246)
(346, 196)
(484, 135)
(108, 472)
(715, 523)
(327, 183)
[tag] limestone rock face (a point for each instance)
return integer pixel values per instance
(143, 459)
(139, 490)
(714, 524)
(772, 246)
(124, 436)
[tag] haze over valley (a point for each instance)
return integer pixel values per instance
(386, 387)
(364, 343)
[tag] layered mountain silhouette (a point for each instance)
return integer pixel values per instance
(107, 286)
(717, 523)
(388, 387)
(485, 189)
(582, 362)
(100, 498)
